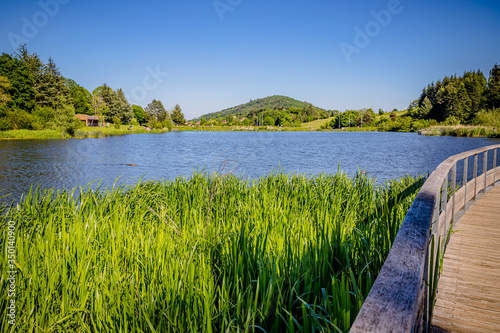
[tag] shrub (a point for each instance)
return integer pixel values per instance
(166, 123)
(117, 122)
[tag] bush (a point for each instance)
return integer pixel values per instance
(134, 122)
(488, 118)
(452, 120)
(117, 122)
(166, 123)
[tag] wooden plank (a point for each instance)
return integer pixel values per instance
(396, 302)
(468, 298)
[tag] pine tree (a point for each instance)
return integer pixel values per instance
(178, 116)
(475, 84)
(51, 87)
(493, 92)
(111, 103)
(126, 113)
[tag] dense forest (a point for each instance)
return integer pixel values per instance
(34, 95)
(470, 99)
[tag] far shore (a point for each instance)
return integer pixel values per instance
(101, 132)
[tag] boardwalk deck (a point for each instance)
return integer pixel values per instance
(469, 289)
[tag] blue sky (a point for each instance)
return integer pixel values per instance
(208, 55)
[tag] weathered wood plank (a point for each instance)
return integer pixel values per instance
(468, 298)
(396, 302)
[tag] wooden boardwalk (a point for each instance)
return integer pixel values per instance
(469, 289)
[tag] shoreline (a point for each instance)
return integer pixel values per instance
(102, 132)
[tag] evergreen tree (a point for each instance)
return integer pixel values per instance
(475, 84)
(111, 107)
(126, 113)
(493, 92)
(457, 97)
(425, 108)
(51, 87)
(178, 116)
(35, 66)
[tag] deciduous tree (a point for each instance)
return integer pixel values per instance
(156, 111)
(4, 90)
(139, 114)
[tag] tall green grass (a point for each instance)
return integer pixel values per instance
(212, 253)
(29, 134)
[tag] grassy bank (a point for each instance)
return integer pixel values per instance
(283, 253)
(100, 132)
(238, 128)
(29, 134)
(82, 133)
(461, 131)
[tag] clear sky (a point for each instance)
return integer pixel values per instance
(209, 55)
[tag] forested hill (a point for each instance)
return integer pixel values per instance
(275, 102)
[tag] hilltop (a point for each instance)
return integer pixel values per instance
(275, 102)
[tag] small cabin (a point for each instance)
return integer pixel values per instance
(92, 121)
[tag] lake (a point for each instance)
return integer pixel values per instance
(69, 163)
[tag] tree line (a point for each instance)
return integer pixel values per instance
(275, 116)
(459, 98)
(34, 95)
(470, 99)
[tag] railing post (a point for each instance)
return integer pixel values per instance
(453, 186)
(434, 233)
(494, 166)
(444, 203)
(466, 179)
(475, 177)
(485, 170)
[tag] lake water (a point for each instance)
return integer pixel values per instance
(69, 163)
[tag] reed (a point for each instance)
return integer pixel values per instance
(28, 134)
(212, 253)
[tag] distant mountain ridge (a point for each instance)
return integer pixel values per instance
(267, 103)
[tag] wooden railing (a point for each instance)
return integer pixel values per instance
(403, 295)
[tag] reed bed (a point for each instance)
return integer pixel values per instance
(212, 253)
(29, 134)
(461, 131)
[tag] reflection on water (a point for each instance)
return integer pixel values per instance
(69, 163)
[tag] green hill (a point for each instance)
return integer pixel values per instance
(275, 102)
